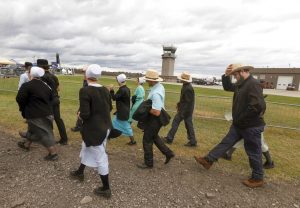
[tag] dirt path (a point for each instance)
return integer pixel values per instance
(26, 180)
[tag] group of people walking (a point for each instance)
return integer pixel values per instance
(39, 104)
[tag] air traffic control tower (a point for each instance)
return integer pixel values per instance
(168, 61)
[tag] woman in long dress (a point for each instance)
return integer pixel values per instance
(122, 98)
(138, 97)
(34, 99)
(95, 107)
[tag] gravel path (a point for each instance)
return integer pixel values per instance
(26, 180)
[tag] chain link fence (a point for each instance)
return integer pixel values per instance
(280, 115)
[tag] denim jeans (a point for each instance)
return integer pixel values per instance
(252, 144)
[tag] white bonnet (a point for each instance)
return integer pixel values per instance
(36, 72)
(93, 71)
(121, 78)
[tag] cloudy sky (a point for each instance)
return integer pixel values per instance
(209, 34)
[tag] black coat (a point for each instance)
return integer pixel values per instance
(53, 82)
(34, 99)
(143, 116)
(95, 107)
(248, 104)
(186, 103)
(122, 98)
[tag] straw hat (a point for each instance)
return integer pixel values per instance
(185, 76)
(237, 67)
(152, 75)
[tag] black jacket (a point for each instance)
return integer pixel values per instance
(248, 104)
(143, 116)
(95, 107)
(34, 99)
(187, 100)
(122, 98)
(53, 82)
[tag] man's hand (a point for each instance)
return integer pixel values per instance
(228, 70)
(110, 87)
(155, 112)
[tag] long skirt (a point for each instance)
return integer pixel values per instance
(123, 126)
(40, 130)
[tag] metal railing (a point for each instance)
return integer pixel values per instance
(279, 115)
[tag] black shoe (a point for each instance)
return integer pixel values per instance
(100, 191)
(168, 158)
(144, 166)
(62, 142)
(51, 157)
(22, 145)
(23, 134)
(75, 129)
(166, 140)
(131, 143)
(226, 156)
(269, 165)
(189, 144)
(76, 175)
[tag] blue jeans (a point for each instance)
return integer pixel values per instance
(252, 144)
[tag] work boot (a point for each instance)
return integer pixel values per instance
(144, 166)
(100, 191)
(51, 157)
(253, 183)
(189, 144)
(204, 162)
(168, 158)
(77, 175)
(269, 164)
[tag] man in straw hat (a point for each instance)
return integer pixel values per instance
(153, 125)
(52, 81)
(248, 108)
(185, 108)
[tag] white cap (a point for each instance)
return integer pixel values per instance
(121, 78)
(141, 80)
(93, 71)
(36, 72)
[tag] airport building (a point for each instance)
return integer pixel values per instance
(278, 78)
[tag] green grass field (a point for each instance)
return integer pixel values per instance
(284, 144)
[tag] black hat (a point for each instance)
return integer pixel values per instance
(42, 63)
(27, 64)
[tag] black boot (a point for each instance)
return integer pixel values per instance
(78, 174)
(269, 164)
(228, 154)
(104, 190)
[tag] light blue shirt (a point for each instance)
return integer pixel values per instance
(157, 95)
(23, 78)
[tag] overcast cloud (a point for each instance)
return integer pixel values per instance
(129, 34)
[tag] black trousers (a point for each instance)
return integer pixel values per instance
(150, 136)
(59, 123)
(188, 122)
